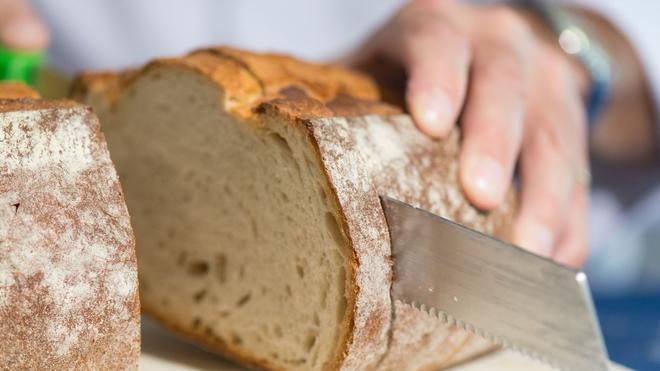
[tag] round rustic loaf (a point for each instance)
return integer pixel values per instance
(253, 184)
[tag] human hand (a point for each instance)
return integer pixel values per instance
(20, 27)
(520, 101)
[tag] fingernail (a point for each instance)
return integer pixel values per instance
(536, 237)
(486, 177)
(433, 110)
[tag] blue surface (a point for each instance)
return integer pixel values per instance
(631, 327)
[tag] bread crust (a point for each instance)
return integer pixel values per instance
(65, 300)
(257, 87)
(16, 90)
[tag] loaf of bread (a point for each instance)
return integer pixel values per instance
(260, 234)
(68, 273)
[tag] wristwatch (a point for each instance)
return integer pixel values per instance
(574, 40)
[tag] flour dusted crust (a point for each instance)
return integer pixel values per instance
(365, 158)
(68, 275)
(361, 158)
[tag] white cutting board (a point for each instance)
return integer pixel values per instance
(162, 351)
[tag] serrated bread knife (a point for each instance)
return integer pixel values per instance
(496, 290)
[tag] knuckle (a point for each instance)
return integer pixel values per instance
(551, 139)
(508, 71)
(450, 32)
(436, 27)
(507, 22)
(430, 26)
(451, 36)
(424, 38)
(556, 66)
(432, 5)
(548, 208)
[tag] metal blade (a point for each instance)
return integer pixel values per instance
(519, 299)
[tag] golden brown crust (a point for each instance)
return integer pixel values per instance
(275, 73)
(102, 84)
(16, 90)
(22, 104)
(255, 83)
(16, 96)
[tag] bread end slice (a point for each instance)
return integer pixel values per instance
(68, 274)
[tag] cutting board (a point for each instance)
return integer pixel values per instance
(162, 351)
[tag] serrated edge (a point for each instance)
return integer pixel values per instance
(449, 319)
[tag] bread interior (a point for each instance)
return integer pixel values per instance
(238, 237)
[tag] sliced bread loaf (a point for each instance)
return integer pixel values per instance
(259, 230)
(68, 274)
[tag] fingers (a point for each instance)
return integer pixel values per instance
(572, 248)
(437, 60)
(518, 102)
(20, 27)
(546, 190)
(493, 119)
(553, 153)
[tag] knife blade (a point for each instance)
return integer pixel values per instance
(494, 289)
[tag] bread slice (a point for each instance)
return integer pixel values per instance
(68, 273)
(260, 234)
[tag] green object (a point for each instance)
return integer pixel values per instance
(18, 65)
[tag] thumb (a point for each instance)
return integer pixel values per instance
(20, 27)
